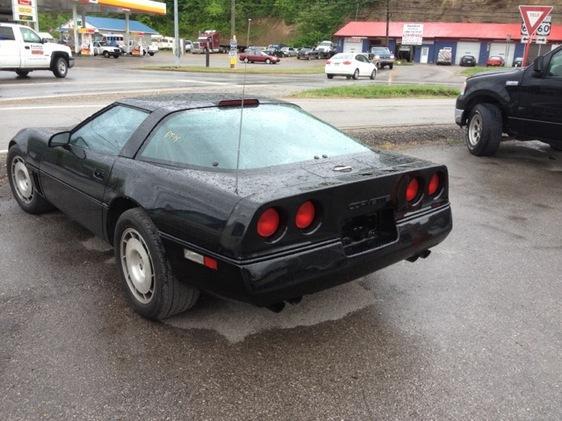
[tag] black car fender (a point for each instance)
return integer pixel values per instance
(499, 98)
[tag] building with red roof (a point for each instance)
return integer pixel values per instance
(480, 40)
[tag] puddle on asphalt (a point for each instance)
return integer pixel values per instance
(236, 321)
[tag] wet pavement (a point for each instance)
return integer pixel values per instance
(471, 332)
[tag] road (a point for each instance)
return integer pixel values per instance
(97, 75)
(472, 332)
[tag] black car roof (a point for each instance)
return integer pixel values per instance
(176, 102)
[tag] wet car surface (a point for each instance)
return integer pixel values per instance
(472, 332)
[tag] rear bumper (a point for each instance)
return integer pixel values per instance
(282, 277)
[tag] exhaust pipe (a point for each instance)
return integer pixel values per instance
(424, 255)
(278, 307)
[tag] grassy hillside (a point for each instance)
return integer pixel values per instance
(307, 22)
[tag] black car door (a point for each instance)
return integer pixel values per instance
(539, 113)
(74, 176)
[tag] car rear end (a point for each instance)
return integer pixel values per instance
(340, 65)
(292, 245)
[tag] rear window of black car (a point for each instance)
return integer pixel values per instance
(6, 33)
(271, 135)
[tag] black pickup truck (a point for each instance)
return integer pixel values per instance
(525, 104)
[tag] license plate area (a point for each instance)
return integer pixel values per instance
(369, 231)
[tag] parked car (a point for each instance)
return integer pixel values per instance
(518, 62)
(445, 56)
(274, 52)
(307, 54)
(256, 56)
(350, 65)
(468, 61)
(22, 50)
(289, 52)
(197, 48)
(495, 61)
(103, 49)
(153, 178)
(382, 57)
(326, 49)
(523, 103)
(152, 48)
(188, 44)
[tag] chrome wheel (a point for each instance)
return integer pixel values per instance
(61, 65)
(475, 130)
(137, 265)
(21, 180)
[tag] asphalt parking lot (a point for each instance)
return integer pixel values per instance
(472, 332)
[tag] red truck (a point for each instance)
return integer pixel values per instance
(210, 39)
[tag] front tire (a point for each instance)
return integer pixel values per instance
(330, 76)
(373, 74)
(60, 69)
(21, 184)
(556, 146)
(22, 73)
(356, 74)
(152, 288)
(267, 61)
(484, 130)
(106, 54)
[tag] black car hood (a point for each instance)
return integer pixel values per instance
(515, 74)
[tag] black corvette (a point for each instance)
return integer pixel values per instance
(308, 208)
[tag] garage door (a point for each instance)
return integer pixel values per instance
(352, 45)
(500, 49)
(465, 48)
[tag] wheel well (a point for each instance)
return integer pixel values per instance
(482, 100)
(12, 143)
(116, 209)
(56, 55)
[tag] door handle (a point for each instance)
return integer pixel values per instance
(27, 47)
(99, 174)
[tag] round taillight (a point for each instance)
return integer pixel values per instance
(412, 190)
(268, 224)
(434, 184)
(305, 215)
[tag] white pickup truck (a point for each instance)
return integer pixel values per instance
(22, 50)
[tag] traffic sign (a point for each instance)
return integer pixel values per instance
(543, 29)
(540, 40)
(533, 16)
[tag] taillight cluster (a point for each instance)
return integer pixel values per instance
(419, 187)
(270, 223)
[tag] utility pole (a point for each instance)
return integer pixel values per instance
(177, 32)
(232, 18)
(387, 20)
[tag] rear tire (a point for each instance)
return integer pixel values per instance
(151, 54)
(330, 76)
(22, 185)
(484, 130)
(356, 74)
(22, 73)
(391, 66)
(373, 74)
(106, 54)
(60, 68)
(152, 288)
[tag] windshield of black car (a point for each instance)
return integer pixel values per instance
(272, 134)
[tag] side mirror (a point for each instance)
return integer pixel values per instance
(59, 139)
(44, 40)
(538, 65)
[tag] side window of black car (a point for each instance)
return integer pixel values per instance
(555, 67)
(108, 132)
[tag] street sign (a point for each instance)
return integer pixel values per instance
(533, 16)
(540, 40)
(543, 29)
(412, 34)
